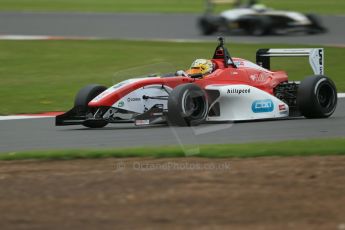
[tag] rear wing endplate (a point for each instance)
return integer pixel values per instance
(316, 57)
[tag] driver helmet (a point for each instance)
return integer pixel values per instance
(259, 7)
(203, 66)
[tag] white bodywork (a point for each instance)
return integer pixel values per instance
(244, 102)
(234, 14)
(134, 101)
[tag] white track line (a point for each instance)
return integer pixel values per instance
(23, 37)
(174, 40)
(19, 117)
(38, 37)
(341, 95)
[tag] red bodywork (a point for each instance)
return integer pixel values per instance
(257, 77)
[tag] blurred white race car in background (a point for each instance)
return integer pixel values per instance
(257, 19)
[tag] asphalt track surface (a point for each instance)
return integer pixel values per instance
(146, 26)
(40, 133)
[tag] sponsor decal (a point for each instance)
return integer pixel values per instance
(133, 99)
(238, 91)
(262, 77)
(254, 77)
(320, 60)
(121, 104)
(262, 106)
(282, 107)
(239, 63)
(157, 114)
(142, 122)
(258, 77)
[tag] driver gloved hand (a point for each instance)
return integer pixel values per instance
(181, 73)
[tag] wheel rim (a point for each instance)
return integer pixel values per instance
(326, 96)
(193, 105)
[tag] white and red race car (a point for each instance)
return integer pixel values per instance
(236, 90)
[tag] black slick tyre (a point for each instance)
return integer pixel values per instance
(82, 99)
(208, 25)
(187, 105)
(317, 97)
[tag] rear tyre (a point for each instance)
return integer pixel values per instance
(317, 97)
(208, 25)
(187, 105)
(82, 99)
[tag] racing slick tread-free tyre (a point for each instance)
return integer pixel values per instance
(82, 99)
(208, 25)
(317, 97)
(187, 105)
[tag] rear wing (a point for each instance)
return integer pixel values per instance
(316, 57)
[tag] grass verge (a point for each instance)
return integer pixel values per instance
(163, 6)
(39, 76)
(286, 148)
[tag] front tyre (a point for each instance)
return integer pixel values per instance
(82, 99)
(208, 25)
(187, 105)
(317, 97)
(316, 24)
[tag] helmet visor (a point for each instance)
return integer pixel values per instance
(194, 70)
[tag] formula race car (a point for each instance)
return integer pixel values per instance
(257, 20)
(220, 89)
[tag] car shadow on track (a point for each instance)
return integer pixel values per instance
(114, 127)
(131, 126)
